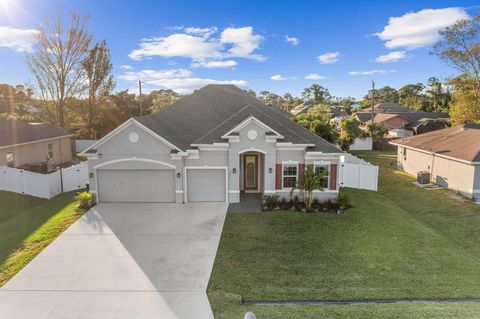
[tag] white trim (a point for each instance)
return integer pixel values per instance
(436, 154)
(37, 141)
(179, 191)
(289, 163)
(322, 163)
(321, 155)
(252, 149)
(124, 125)
(249, 120)
(204, 167)
(234, 192)
(133, 159)
(212, 147)
(269, 191)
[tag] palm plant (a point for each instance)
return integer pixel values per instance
(310, 182)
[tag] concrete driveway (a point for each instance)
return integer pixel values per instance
(123, 261)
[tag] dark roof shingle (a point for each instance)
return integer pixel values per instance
(14, 132)
(205, 115)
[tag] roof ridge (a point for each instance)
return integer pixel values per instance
(223, 122)
(287, 127)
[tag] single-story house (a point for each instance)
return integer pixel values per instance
(211, 145)
(23, 143)
(396, 116)
(451, 156)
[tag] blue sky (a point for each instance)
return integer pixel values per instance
(184, 45)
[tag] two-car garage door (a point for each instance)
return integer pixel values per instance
(137, 185)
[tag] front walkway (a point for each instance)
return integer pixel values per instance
(123, 261)
(248, 203)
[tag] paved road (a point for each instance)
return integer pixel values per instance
(123, 261)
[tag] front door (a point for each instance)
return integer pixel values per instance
(251, 173)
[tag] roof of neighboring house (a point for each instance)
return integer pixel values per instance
(204, 116)
(307, 105)
(460, 142)
(14, 132)
(388, 108)
(415, 117)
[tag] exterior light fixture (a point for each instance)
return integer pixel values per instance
(270, 170)
(178, 175)
(90, 175)
(100, 155)
(234, 170)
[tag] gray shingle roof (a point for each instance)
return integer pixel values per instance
(207, 114)
(17, 132)
(462, 142)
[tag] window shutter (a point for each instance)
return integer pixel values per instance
(333, 176)
(301, 171)
(278, 176)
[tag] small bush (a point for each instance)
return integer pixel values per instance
(344, 200)
(270, 202)
(285, 204)
(84, 200)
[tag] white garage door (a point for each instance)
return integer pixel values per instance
(206, 185)
(130, 186)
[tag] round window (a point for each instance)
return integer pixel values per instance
(133, 137)
(252, 134)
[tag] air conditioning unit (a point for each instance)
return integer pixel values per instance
(423, 177)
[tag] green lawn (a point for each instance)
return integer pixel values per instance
(400, 242)
(28, 225)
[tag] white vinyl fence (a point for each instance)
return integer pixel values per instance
(43, 185)
(362, 144)
(357, 173)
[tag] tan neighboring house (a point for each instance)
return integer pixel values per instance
(23, 143)
(451, 156)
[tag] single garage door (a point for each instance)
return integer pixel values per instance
(129, 186)
(206, 185)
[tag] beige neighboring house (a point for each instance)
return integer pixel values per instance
(451, 156)
(23, 143)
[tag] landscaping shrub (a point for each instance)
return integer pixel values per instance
(270, 202)
(344, 200)
(84, 200)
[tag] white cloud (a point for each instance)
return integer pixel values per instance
(370, 72)
(177, 45)
(126, 67)
(203, 45)
(179, 80)
(314, 76)
(153, 75)
(329, 57)
(391, 57)
(278, 77)
(243, 42)
(417, 29)
(204, 32)
(214, 64)
(20, 40)
(292, 40)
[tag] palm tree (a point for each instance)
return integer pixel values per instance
(311, 181)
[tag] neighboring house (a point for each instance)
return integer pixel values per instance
(305, 107)
(451, 156)
(211, 145)
(395, 116)
(23, 143)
